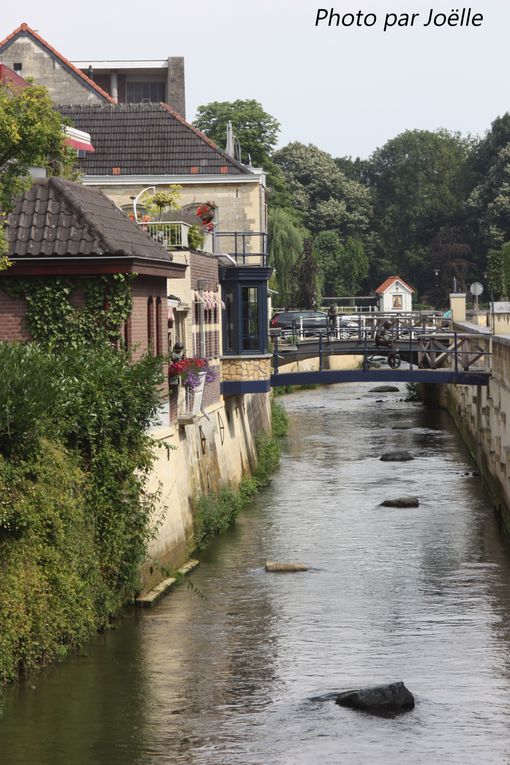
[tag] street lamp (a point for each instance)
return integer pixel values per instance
(137, 199)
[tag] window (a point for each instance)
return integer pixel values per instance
(150, 324)
(151, 92)
(250, 319)
(17, 67)
(158, 327)
(230, 321)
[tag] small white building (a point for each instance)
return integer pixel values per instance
(395, 295)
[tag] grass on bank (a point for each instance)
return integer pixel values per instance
(215, 512)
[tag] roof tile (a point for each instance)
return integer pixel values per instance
(57, 217)
(146, 139)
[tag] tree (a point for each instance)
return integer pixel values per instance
(343, 266)
(490, 201)
(496, 276)
(285, 249)
(324, 196)
(164, 200)
(308, 278)
(30, 134)
(256, 130)
(419, 180)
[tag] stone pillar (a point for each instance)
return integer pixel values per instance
(114, 87)
(458, 306)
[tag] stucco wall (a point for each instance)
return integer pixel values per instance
(217, 450)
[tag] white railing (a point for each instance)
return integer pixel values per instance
(172, 235)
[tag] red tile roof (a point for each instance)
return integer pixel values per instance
(24, 29)
(8, 76)
(389, 281)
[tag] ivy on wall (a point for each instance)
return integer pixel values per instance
(62, 310)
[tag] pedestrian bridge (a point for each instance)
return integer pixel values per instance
(445, 358)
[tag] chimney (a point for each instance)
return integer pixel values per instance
(175, 87)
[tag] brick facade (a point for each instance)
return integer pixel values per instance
(143, 326)
(13, 325)
(14, 328)
(204, 268)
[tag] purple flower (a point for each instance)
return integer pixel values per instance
(192, 380)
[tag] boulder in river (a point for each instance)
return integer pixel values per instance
(401, 502)
(383, 700)
(385, 389)
(273, 566)
(398, 456)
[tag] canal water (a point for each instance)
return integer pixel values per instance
(232, 677)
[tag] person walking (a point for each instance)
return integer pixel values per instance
(332, 317)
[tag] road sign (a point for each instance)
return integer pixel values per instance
(476, 289)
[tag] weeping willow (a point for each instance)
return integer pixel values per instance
(285, 249)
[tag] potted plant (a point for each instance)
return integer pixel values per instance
(193, 374)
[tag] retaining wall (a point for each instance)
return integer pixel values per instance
(482, 415)
(199, 458)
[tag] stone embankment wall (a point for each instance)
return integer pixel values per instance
(199, 458)
(482, 415)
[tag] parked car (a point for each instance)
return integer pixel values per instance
(312, 322)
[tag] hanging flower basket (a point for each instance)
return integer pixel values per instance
(191, 372)
(206, 213)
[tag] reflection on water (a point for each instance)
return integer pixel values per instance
(418, 594)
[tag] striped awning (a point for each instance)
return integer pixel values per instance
(210, 299)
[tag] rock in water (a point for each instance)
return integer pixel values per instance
(401, 502)
(285, 567)
(384, 389)
(382, 700)
(399, 456)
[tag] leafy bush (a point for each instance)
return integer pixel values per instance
(75, 516)
(215, 512)
(49, 562)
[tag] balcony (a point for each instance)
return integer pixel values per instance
(171, 235)
(246, 248)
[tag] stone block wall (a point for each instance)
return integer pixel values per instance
(242, 368)
(45, 69)
(241, 206)
(482, 415)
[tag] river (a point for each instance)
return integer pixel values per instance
(420, 595)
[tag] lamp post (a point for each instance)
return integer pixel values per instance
(137, 199)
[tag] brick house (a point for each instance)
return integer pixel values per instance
(59, 228)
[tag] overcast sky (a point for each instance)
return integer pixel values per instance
(347, 90)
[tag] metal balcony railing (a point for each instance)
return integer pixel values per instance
(248, 248)
(172, 235)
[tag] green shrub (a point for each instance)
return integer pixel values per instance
(215, 512)
(279, 419)
(27, 396)
(50, 567)
(75, 514)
